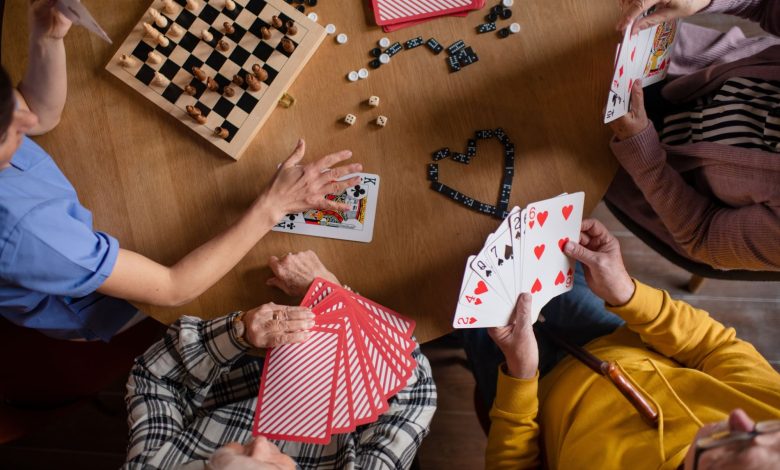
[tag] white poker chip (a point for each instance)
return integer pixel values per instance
(384, 42)
(507, 3)
(353, 76)
(330, 28)
(362, 73)
(384, 59)
(514, 28)
(342, 38)
(313, 16)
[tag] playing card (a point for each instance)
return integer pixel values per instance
(79, 15)
(619, 91)
(501, 254)
(664, 38)
(354, 224)
(484, 268)
(547, 226)
(387, 12)
(515, 223)
(477, 308)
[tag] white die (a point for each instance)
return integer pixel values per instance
(373, 101)
(381, 121)
(350, 119)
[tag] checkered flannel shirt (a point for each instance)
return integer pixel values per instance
(195, 390)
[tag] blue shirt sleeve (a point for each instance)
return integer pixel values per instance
(51, 251)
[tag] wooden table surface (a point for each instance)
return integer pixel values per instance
(162, 191)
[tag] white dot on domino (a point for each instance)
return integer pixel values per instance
(384, 59)
(362, 73)
(353, 76)
(384, 42)
(342, 38)
(507, 3)
(514, 28)
(313, 16)
(330, 28)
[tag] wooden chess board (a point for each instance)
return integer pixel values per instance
(244, 113)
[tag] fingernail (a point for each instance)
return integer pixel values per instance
(569, 246)
(309, 316)
(300, 142)
(309, 324)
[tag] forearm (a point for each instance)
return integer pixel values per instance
(45, 83)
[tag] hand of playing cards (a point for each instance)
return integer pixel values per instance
(358, 356)
(525, 254)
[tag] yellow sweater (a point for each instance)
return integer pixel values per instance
(693, 368)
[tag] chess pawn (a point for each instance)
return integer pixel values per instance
(276, 22)
(150, 31)
(199, 74)
(196, 114)
(229, 28)
(176, 31)
(238, 80)
(223, 45)
(292, 30)
(211, 84)
(206, 35)
(230, 5)
(126, 61)
(252, 82)
(260, 73)
(168, 7)
(162, 40)
(159, 20)
(159, 79)
(190, 90)
(265, 32)
(154, 58)
(229, 91)
(192, 5)
(221, 132)
(288, 45)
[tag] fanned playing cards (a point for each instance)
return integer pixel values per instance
(358, 356)
(525, 254)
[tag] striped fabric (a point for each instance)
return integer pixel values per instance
(744, 113)
(389, 10)
(195, 391)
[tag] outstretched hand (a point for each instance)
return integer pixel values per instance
(271, 325)
(517, 341)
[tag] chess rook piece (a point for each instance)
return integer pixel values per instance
(190, 90)
(221, 132)
(223, 45)
(206, 35)
(229, 28)
(168, 7)
(211, 84)
(292, 30)
(288, 45)
(126, 61)
(192, 5)
(265, 32)
(260, 73)
(230, 5)
(238, 80)
(276, 22)
(199, 74)
(154, 58)
(176, 31)
(229, 91)
(252, 82)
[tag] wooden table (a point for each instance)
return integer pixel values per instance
(162, 191)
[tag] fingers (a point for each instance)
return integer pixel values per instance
(330, 160)
(288, 338)
(637, 98)
(657, 17)
(279, 284)
(632, 10)
(522, 312)
(332, 205)
(296, 156)
(580, 253)
(593, 229)
(342, 171)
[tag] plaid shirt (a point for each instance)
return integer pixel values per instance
(195, 390)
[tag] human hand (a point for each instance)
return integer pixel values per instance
(635, 120)
(46, 21)
(665, 10)
(296, 188)
(605, 273)
(517, 341)
(272, 325)
(257, 454)
(294, 272)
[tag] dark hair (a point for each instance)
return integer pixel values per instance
(7, 102)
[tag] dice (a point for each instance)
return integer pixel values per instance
(350, 119)
(381, 121)
(373, 101)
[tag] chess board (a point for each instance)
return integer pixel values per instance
(243, 114)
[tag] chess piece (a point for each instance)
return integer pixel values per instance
(381, 121)
(199, 74)
(229, 91)
(190, 90)
(126, 61)
(288, 45)
(350, 119)
(150, 31)
(229, 28)
(292, 30)
(221, 132)
(230, 5)
(154, 58)
(265, 32)
(252, 82)
(286, 100)
(373, 101)
(192, 5)
(206, 35)
(162, 40)
(159, 79)
(211, 84)
(168, 7)
(238, 80)
(276, 22)
(159, 20)
(260, 73)
(196, 114)
(223, 45)
(176, 31)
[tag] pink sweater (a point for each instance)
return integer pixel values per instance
(712, 203)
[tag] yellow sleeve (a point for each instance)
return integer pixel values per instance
(691, 337)
(513, 442)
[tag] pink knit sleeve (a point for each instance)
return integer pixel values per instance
(764, 12)
(707, 230)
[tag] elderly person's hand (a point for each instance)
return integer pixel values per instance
(272, 325)
(257, 454)
(664, 10)
(599, 252)
(294, 272)
(517, 341)
(635, 120)
(46, 21)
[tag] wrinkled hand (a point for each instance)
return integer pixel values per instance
(257, 454)
(294, 272)
(46, 21)
(517, 341)
(635, 120)
(665, 10)
(272, 325)
(296, 188)
(599, 252)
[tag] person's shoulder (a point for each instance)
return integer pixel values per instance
(29, 154)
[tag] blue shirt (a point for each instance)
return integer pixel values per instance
(51, 260)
